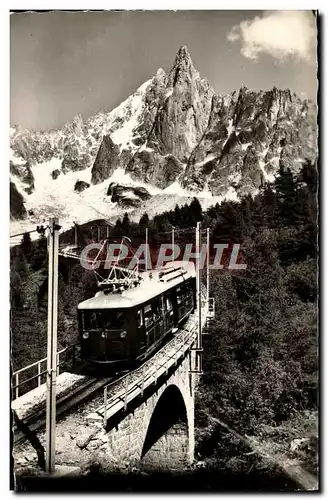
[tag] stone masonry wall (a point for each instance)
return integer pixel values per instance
(174, 448)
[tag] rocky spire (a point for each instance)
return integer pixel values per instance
(182, 68)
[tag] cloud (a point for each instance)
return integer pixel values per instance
(281, 34)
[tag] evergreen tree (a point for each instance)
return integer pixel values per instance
(268, 206)
(126, 225)
(196, 210)
(26, 245)
(285, 187)
(143, 223)
(177, 216)
(117, 229)
(162, 223)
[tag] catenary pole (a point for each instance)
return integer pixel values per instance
(52, 344)
(207, 265)
(173, 243)
(146, 256)
(199, 300)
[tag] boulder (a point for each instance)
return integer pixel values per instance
(127, 196)
(81, 186)
(55, 173)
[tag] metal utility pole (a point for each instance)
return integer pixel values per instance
(107, 232)
(98, 228)
(173, 243)
(52, 343)
(146, 254)
(199, 300)
(207, 265)
(75, 235)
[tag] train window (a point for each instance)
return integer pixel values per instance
(156, 309)
(139, 318)
(91, 320)
(179, 295)
(168, 303)
(113, 320)
(148, 314)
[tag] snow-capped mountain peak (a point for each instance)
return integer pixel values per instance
(172, 135)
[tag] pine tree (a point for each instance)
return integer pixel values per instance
(285, 187)
(268, 206)
(126, 225)
(177, 216)
(196, 210)
(143, 223)
(117, 229)
(26, 245)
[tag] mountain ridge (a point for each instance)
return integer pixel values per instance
(173, 134)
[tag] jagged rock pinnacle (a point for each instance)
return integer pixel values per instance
(182, 67)
(183, 57)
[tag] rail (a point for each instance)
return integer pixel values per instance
(40, 372)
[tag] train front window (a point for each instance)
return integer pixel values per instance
(91, 321)
(113, 320)
(109, 319)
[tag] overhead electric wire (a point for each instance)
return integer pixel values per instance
(28, 232)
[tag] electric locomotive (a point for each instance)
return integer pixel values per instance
(126, 326)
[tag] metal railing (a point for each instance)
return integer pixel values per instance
(155, 369)
(16, 383)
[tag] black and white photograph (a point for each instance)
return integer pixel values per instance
(164, 251)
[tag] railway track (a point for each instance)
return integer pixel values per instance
(64, 403)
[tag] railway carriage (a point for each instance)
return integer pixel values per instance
(126, 327)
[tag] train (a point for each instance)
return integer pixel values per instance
(125, 327)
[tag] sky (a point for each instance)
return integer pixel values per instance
(68, 63)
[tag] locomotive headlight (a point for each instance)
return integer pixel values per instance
(123, 334)
(86, 335)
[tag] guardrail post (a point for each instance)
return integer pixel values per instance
(39, 374)
(105, 405)
(16, 384)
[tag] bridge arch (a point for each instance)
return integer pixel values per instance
(166, 444)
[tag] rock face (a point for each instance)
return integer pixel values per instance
(81, 186)
(183, 117)
(127, 196)
(106, 162)
(24, 174)
(17, 209)
(249, 135)
(175, 130)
